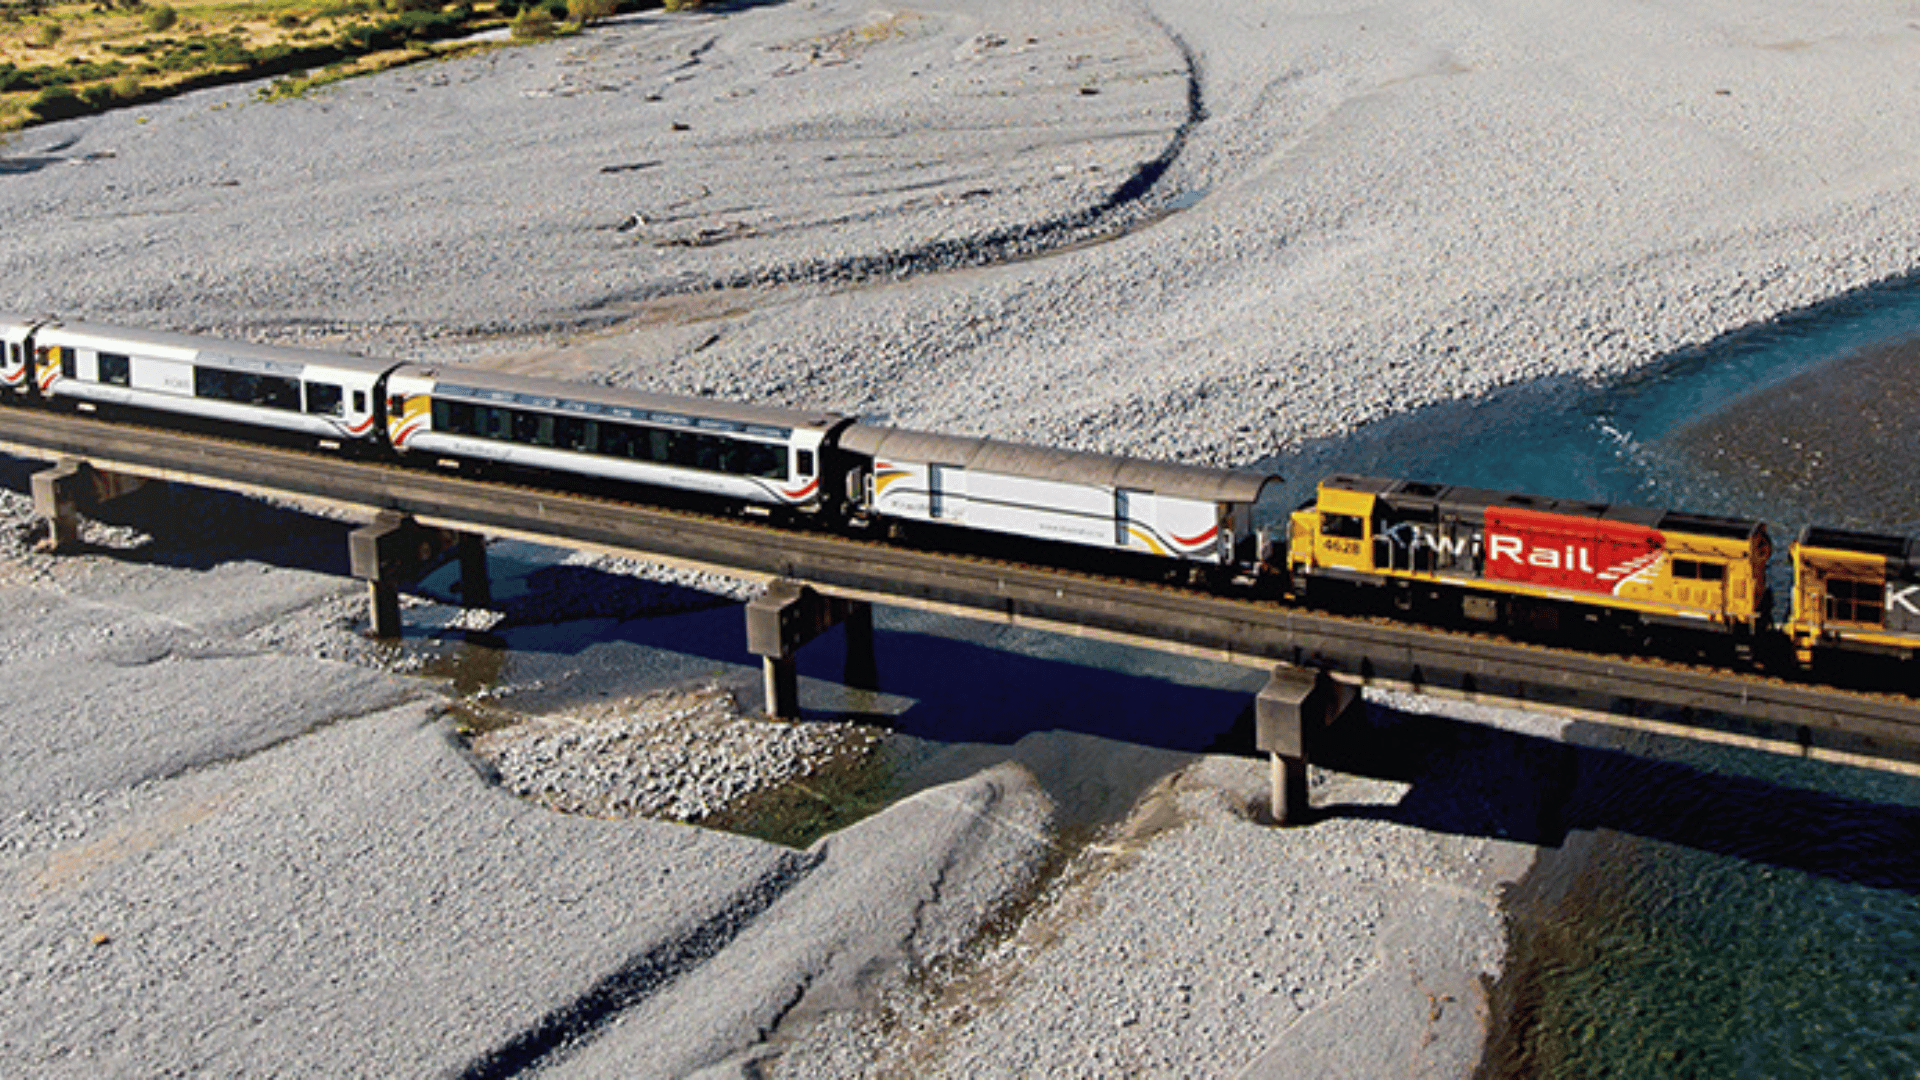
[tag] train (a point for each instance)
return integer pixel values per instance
(1443, 553)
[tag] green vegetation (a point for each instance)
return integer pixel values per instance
(533, 24)
(588, 12)
(64, 60)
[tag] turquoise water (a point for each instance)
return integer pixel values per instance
(1699, 911)
(1614, 441)
(1724, 915)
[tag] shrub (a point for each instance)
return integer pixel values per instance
(128, 87)
(535, 22)
(289, 21)
(58, 103)
(161, 19)
(680, 5)
(48, 33)
(584, 12)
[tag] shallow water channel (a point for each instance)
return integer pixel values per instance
(1700, 911)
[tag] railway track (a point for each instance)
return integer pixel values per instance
(1878, 728)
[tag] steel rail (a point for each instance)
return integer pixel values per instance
(1878, 730)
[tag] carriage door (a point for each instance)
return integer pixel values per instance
(1133, 518)
(13, 360)
(946, 492)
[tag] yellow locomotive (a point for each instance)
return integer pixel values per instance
(1529, 560)
(1856, 592)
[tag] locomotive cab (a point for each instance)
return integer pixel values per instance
(1857, 591)
(1333, 534)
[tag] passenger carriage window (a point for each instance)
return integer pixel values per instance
(1686, 570)
(1713, 571)
(805, 462)
(246, 388)
(678, 447)
(681, 448)
(116, 369)
(460, 418)
(616, 440)
(493, 421)
(533, 428)
(359, 401)
(570, 433)
(759, 459)
(68, 361)
(276, 392)
(323, 399)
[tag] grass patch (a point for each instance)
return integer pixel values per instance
(63, 60)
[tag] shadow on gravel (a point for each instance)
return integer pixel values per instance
(16, 165)
(1475, 780)
(578, 1021)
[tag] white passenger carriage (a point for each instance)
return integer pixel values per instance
(1100, 500)
(331, 396)
(757, 455)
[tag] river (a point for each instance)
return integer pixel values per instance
(1698, 910)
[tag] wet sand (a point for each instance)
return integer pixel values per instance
(1839, 443)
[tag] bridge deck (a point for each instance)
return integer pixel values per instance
(1877, 730)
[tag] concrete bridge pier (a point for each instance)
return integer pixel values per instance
(476, 585)
(394, 548)
(790, 614)
(60, 492)
(862, 671)
(1294, 703)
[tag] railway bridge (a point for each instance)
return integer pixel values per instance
(1317, 661)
